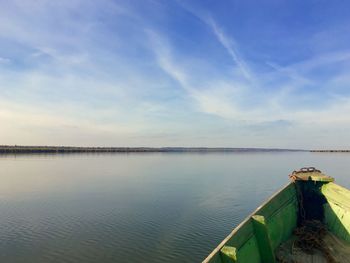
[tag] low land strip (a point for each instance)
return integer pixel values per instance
(68, 149)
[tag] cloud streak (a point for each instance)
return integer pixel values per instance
(230, 45)
(213, 101)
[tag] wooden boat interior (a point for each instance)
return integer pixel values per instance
(306, 221)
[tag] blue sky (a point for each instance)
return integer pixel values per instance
(175, 73)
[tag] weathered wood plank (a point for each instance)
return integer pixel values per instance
(263, 239)
(228, 254)
(337, 210)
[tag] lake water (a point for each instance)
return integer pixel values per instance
(173, 207)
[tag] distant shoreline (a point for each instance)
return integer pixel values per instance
(10, 149)
(330, 151)
(4, 149)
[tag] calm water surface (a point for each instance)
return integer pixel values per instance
(137, 207)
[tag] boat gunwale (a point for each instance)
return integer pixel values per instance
(288, 202)
(234, 231)
(333, 199)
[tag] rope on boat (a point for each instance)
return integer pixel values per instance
(310, 237)
(310, 233)
(306, 170)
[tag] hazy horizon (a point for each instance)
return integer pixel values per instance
(151, 147)
(242, 74)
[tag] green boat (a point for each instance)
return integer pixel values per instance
(308, 220)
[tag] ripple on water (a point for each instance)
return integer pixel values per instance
(135, 208)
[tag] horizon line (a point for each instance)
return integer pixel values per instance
(126, 149)
(64, 149)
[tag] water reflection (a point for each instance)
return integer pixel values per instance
(137, 207)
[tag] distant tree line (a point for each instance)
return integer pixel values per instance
(68, 149)
(331, 151)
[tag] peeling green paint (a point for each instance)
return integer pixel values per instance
(256, 238)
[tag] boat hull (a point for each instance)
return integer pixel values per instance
(258, 237)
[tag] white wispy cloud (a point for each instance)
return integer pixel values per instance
(224, 98)
(4, 60)
(212, 97)
(231, 47)
(228, 42)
